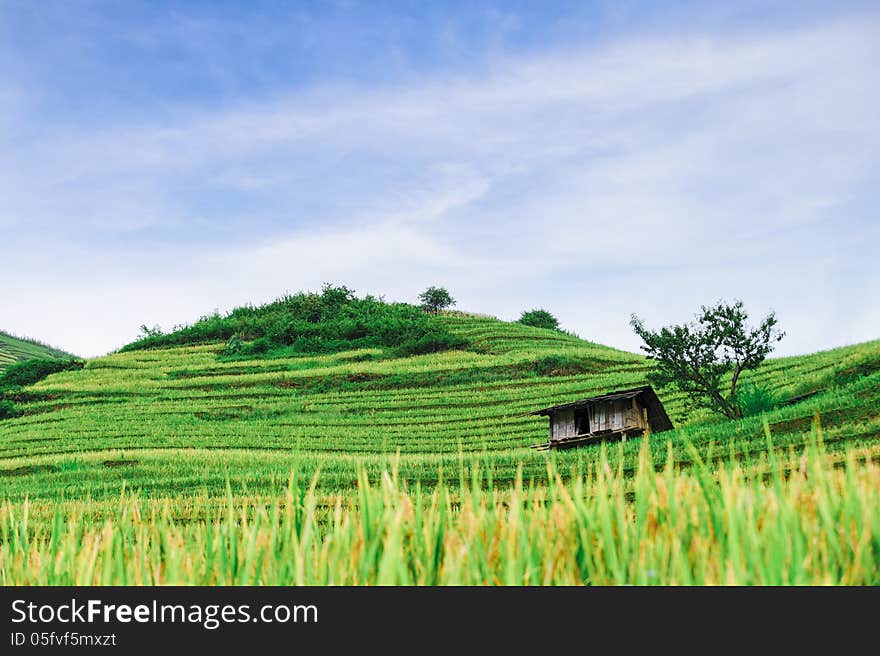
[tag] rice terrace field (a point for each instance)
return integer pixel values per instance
(182, 464)
(14, 349)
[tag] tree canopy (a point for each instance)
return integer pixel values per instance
(697, 357)
(539, 318)
(435, 299)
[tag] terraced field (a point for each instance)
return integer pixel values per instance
(180, 421)
(15, 349)
(181, 465)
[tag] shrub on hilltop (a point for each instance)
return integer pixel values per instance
(539, 318)
(330, 321)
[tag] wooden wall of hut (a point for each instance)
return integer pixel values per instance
(609, 416)
(615, 415)
(562, 425)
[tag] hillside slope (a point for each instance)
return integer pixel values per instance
(15, 349)
(182, 421)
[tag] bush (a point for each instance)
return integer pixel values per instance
(433, 342)
(753, 399)
(539, 318)
(332, 321)
(260, 345)
(559, 365)
(29, 372)
(235, 346)
(8, 410)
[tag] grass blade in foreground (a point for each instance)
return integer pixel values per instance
(800, 520)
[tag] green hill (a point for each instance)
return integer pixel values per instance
(185, 420)
(207, 434)
(15, 349)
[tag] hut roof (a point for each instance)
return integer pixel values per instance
(646, 395)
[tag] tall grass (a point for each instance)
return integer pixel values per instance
(791, 519)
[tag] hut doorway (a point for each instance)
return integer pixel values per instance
(582, 422)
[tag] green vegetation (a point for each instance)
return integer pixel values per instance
(186, 418)
(706, 356)
(754, 399)
(332, 321)
(24, 373)
(33, 371)
(187, 445)
(435, 299)
(795, 520)
(8, 409)
(25, 362)
(539, 318)
(15, 349)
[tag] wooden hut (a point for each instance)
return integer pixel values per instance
(616, 415)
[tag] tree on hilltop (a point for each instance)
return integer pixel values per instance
(435, 299)
(539, 318)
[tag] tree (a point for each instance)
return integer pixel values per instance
(539, 318)
(147, 332)
(335, 296)
(697, 357)
(435, 299)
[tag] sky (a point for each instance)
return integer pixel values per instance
(159, 161)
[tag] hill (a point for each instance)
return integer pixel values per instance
(195, 427)
(183, 419)
(15, 349)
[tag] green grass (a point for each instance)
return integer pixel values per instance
(780, 521)
(16, 349)
(183, 427)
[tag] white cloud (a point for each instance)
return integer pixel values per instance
(649, 176)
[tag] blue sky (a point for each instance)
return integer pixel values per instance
(160, 160)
